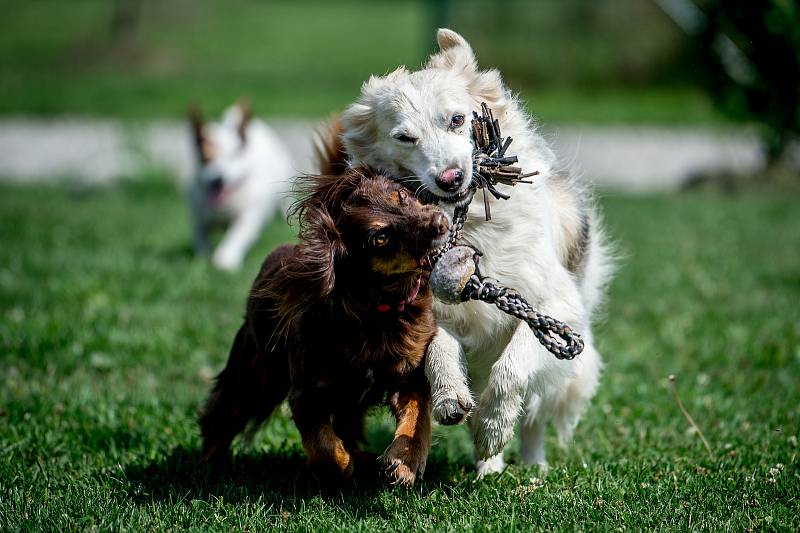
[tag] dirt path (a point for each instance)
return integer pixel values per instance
(97, 151)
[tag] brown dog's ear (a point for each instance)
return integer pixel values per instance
(319, 248)
(197, 122)
(308, 276)
(247, 115)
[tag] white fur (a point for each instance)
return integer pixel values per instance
(525, 246)
(256, 175)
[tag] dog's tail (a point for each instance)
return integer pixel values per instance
(252, 385)
(328, 149)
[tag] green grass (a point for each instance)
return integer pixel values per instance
(110, 330)
(290, 58)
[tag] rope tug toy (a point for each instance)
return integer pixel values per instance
(456, 278)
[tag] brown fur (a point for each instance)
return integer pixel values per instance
(329, 151)
(313, 331)
(201, 143)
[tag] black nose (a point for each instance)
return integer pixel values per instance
(450, 179)
(216, 184)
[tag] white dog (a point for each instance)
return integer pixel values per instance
(243, 177)
(545, 242)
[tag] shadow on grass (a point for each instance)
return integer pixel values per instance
(278, 477)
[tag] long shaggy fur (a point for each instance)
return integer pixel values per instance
(337, 324)
(546, 241)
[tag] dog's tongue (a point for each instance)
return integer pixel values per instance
(411, 296)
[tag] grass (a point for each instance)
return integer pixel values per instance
(290, 58)
(110, 331)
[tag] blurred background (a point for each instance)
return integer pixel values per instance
(683, 113)
(643, 94)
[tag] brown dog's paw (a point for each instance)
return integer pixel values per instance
(331, 465)
(404, 461)
(330, 474)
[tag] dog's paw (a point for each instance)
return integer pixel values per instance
(226, 260)
(450, 411)
(492, 465)
(495, 427)
(404, 462)
(331, 473)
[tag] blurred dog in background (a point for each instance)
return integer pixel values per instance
(242, 179)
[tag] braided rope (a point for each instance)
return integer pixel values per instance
(489, 161)
(557, 337)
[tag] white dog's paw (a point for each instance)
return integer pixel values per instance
(226, 260)
(454, 408)
(492, 465)
(495, 427)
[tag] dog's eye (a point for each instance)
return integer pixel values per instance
(457, 121)
(380, 239)
(403, 138)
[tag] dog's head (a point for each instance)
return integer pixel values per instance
(416, 125)
(220, 149)
(363, 237)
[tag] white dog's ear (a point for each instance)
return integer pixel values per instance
(360, 129)
(358, 120)
(454, 53)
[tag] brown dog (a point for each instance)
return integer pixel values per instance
(338, 322)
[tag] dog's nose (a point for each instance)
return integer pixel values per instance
(450, 179)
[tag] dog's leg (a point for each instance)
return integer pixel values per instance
(493, 465)
(250, 387)
(233, 248)
(407, 455)
(348, 424)
(501, 401)
(531, 449)
(328, 459)
(444, 367)
(202, 240)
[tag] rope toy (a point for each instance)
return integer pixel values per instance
(455, 276)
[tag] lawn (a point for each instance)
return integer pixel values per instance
(110, 331)
(290, 58)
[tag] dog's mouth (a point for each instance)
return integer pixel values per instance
(459, 198)
(395, 302)
(426, 196)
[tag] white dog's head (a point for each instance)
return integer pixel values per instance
(221, 150)
(416, 125)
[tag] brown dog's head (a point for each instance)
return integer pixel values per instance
(363, 239)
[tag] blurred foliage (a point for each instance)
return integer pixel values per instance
(751, 53)
(605, 61)
(574, 42)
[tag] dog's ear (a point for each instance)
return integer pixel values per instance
(359, 127)
(244, 120)
(454, 53)
(358, 120)
(197, 122)
(310, 274)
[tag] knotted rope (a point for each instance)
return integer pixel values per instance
(455, 276)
